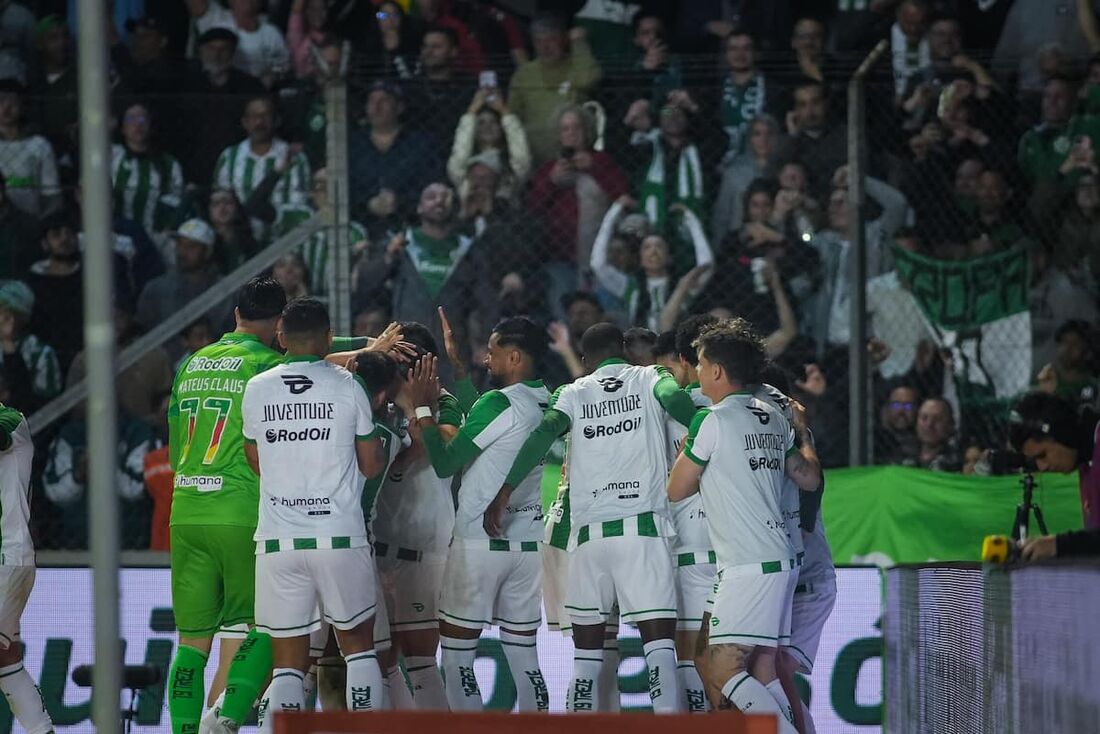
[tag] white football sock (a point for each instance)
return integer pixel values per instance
(523, 660)
(584, 690)
(364, 687)
(212, 715)
(427, 684)
(664, 688)
(463, 693)
(776, 689)
(284, 693)
(691, 687)
(609, 672)
(750, 696)
(24, 699)
(400, 696)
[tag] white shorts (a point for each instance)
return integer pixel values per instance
(749, 607)
(693, 587)
(411, 589)
(297, 589)
(555, 575)
(16, 583)
(810, 609)
(318, 639)
(483, 588)
(635, 571)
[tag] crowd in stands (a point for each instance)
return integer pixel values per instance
(575, 160)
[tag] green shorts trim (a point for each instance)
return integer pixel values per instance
(213, 578)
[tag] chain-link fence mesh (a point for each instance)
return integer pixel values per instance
(589, 184)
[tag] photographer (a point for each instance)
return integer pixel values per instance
(1049, 431)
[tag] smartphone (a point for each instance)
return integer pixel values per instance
(487, 79)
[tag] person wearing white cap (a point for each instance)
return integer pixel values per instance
(28, 365)
(193, 274)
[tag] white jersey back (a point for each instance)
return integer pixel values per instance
(304, 417)
(415, 509)
(618, 464)
(792, 498)
(742, 443)
(688, 516)
(499, 423)
(16, 546)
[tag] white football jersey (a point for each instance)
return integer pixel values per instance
(791, 492)
(499, 424)
(688, 516)
(618, 463)
(16, 546)
(304, 417)
(743, 443)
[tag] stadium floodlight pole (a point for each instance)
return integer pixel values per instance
(858, 415)
(338, 216)
(99, 348)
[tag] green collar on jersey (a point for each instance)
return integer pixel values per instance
(302, 358)
(533, 383)
(613, 360)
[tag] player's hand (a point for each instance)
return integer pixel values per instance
(395, 247)
(423, 382)
(1038, 549)
(798, 416)
(450, 345)
(559, 338)
(493, 518)
(815, 383)
(386, 341)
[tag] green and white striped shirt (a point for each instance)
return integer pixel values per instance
(315, 251)
(146, 188)
(41, 361)
(240, 169)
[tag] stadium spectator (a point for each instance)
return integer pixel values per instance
(397, 46)
(908, 43)
(233, 241)
(655, 71)
(192, 275)
(293, 275)
(26, 161)
(315, 251)
(215, 94)
(432, 266)
(65, 481)
(796, 210)
(438, 92)
(371, 321)
(264, 171)
(1077, 252)
(302, 106)
(568, 199)
(608, 24)
(1073, 373)
(745, 92)
(16, 40)
(936, 437)
(739, 171)
(500, 35)
(562, 73)
(205, 15)
(808, 43)
(388, 164)
(28, 365)
(147, 183)
(196, 335)
(159, 479)
(488, 125)
(148, 68)
(306, 30)
(469, 55)
(57, 283)
(582, 310)
(261, 49)
(812, 137)
(896, 435)
(19, 235)
(994, 225)
(52, 83)
(1031, 24)
(139, 387)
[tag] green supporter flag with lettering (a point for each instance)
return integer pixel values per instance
(889, 514)
(977, 310)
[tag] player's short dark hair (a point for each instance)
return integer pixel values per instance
(420, 336)
(737, 350)
(378, 371)
(603, 340)
(666, 344)
(639, 336)
(305, 317)
(686, 334)
(523, 334)
(1039, 415)
(260, 299)
(777, 377)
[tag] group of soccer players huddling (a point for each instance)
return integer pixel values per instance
(314, 528)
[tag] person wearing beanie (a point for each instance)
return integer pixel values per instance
(28, 365)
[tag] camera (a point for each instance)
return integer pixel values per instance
(1003, 461)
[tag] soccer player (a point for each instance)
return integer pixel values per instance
(691, 548)
(310, 436)
(618, 510)
(17, 570)
(737, 455)
(493, 574)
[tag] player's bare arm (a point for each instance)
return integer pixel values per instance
(494, 513)
(253, 457)
(803, 466)
(684, 479)
(371, 456)
(450, 346)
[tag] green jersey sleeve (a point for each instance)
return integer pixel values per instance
(486, 422)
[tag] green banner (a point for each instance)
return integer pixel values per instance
(887, 515)
(961, 295)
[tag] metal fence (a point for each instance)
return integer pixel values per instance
(600, 193)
